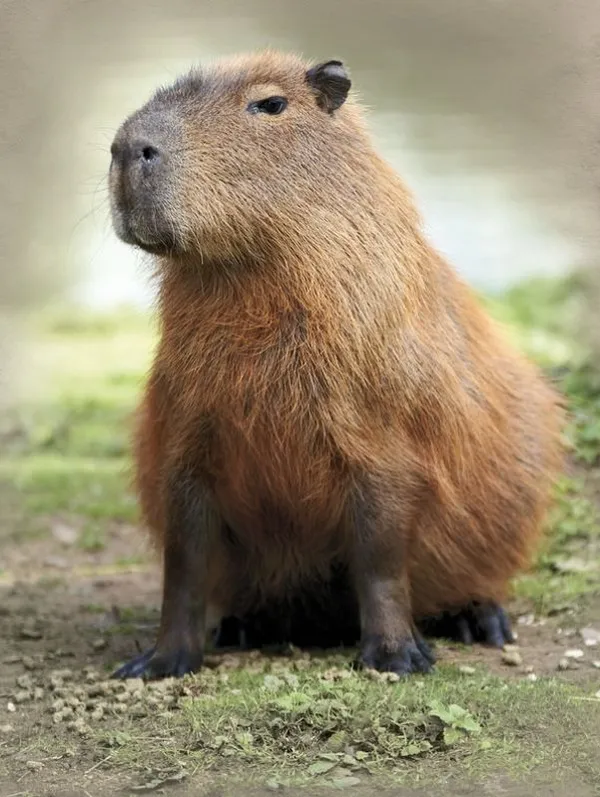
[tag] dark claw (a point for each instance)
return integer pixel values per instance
(152, 664)
(411, 655)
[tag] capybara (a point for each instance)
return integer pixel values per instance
(326, 394)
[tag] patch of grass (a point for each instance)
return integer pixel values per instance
(91, 488)
(568, 565)
(319, 722)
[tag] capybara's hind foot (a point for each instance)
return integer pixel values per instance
(409, 655)
(153, 664)
(484, 622)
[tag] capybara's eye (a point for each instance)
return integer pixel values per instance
(272, 105)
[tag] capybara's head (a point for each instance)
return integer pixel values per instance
(210, 165)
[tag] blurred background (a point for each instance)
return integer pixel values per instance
(488, 108)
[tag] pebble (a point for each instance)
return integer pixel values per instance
(6, 728)
(526, 619)
(511, 657)
(99, 644)
(532, 677)
(135, 685)
(596, 664)
(62, 675)
(22, 696)
(574, 653)
(466, 670)
(597, 695)
(10, 706)
(564, 664)
(30, 632)
(25, 681)
(590, 636)
(34, 766)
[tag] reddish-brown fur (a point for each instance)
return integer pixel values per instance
(311, 337)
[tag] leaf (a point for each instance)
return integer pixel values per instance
(415, 748)
(441, 711)
(452, 736)
(320, 767)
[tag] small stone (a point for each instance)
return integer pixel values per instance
(528, 670)
(34, 766)
(10, 706)
(574, 653)
(512, 658)
(564, 664)
(466, 670)
(99, 644)
(29, 663)
(532, 677)
(590, 636)
(25, 681)
(98, 689)
(58, 705)
(135, 685)
(97, 713)
(22, 696)
(597, 695)
(66, 535)
(62, 675)
(526, 619)
(38, 693)
(30, 631)
(6, 728)
(596, 664)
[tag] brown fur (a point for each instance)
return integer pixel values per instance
(314, 343)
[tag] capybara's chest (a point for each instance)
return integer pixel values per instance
(275, 479)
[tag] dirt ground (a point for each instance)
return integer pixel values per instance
(74, 610)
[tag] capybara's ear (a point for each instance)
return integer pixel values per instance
(331, 84)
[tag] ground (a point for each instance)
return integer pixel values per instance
(80, 593)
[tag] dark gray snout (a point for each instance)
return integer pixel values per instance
(141, 180)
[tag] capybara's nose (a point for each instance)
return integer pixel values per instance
(137, 152)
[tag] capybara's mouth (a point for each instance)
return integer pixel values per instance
(136, 229)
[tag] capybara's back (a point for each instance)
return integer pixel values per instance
(326, 393)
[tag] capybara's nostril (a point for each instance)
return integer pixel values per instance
(150, 153)
(146, 152)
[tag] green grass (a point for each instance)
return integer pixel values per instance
(285, 721)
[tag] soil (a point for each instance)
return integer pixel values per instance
(80, 609)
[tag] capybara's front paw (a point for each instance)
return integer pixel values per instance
(157, 664)
(409, 655)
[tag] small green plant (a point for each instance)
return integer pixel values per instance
(457, 721)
